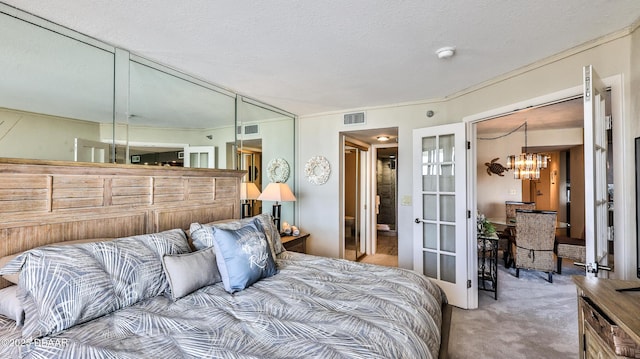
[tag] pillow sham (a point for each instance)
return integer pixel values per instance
(203, 238)
(189, 272)
(243, 256)
(61, 286)
(10, 305)
(14, 278)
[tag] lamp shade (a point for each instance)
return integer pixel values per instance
(249, 190)
(278, 192)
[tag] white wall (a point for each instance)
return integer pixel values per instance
(319, 206)
(318, 135)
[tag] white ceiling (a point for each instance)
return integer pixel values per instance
(316, 56)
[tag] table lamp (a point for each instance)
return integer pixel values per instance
(248, 193)
(278, 192)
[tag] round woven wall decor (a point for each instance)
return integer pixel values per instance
(317, 170)
(278, 170)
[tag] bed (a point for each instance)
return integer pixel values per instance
(164, 220)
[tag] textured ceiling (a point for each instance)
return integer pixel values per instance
(317, 56)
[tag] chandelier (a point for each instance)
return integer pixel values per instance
(527, 165)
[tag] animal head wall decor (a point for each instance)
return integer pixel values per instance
(495, 167)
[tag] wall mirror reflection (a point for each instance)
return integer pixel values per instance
(54, 89)
(175, 120)
(69, 97)
(266, 150)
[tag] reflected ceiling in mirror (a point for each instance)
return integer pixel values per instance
(162, 99)
(45, 72)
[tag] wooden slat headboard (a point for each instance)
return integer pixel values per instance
(44, 202)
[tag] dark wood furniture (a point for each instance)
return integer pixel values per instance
(296, 243)
(608, 321)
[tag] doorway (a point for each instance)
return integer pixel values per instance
(369, 196)
(384, 249)
(355, 190)
(479, 170)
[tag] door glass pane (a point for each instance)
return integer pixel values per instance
(429, 206)
(429, 174)
(447, 178)
(204, 160)
(429, 178)
(430, 235)
(195, 163)
(448, 208)
(428, 149)
(430, 264)
(448, 268)
(447, 148)
(447, 238)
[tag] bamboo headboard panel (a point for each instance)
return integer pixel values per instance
(44, 202)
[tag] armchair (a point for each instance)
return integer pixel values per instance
(535, 239)
(512, 206)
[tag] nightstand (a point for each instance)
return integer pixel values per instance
(295, 243)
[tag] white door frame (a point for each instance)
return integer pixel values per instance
(623, 267)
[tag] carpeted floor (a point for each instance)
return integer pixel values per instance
(532, 318)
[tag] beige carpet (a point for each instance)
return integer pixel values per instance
(532, 318)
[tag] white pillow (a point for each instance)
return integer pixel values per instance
(10, 306)
(189, 272)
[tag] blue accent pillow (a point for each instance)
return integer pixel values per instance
(243, 256)
(202, 237)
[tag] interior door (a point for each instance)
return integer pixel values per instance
(199, 156)
(355, 198)
(595, 162)
(439, 207)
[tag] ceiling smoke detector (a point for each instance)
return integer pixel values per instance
(445, 52)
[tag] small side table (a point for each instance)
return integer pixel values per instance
(295, 243)
(488, 263)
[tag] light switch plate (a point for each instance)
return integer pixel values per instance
(405, 201)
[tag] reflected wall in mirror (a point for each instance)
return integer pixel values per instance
(265, 134)
(54, 89)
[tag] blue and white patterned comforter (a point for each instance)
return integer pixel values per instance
(315, 307)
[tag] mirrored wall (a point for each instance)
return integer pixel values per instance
(54, 88)
(266, 142)
(66, 96)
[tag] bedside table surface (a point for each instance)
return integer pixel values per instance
(288, 238)
(295, 243)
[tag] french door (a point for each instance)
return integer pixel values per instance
(439, 208)
(595, 167)
(199, 156)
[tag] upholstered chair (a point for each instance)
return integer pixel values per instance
(535, 237)
(512, 206)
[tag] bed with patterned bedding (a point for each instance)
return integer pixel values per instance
(125, 299)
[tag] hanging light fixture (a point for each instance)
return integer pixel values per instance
(527, 165)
